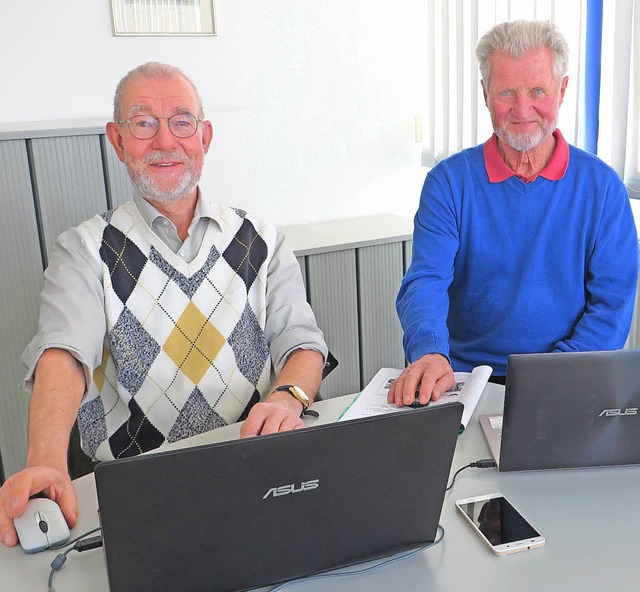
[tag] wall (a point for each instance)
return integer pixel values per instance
(313, 103)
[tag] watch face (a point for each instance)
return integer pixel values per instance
(300, 394)
(296, 392)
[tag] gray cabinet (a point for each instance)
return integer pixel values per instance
(21, 267)
(353, 270)
(50, 180)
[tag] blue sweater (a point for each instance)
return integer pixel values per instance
(515, 267)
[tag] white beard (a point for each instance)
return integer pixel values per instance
(146, 186)
(523, 142)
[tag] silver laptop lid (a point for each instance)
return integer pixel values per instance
(491, 425)
(573, 409)
(246, 513)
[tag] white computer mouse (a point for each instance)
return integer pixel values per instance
(41, 526)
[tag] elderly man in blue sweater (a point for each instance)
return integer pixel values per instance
(522, 244)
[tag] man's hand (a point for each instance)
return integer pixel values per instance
(279, 412)
(18, 488)
(431, 373)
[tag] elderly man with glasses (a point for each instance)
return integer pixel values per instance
(166, 317)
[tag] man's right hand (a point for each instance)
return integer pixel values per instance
(18, 488)
(432, 374)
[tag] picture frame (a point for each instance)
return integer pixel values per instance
(163, 17)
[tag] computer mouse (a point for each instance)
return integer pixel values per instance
(416, 402)
(41, 526)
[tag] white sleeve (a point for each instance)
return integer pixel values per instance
(290, 322)
(72, 313)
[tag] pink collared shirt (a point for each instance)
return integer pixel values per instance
(498, 170)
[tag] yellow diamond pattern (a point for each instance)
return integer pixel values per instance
(101, 371)
(194, 343)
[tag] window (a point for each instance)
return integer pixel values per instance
(456, 114)
(620, 91)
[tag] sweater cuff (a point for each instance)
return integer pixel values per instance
(428, 344)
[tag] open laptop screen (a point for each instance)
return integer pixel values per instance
(246, 513)
(571, 409)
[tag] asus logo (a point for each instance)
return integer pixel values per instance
(614, 412)
(287, 489)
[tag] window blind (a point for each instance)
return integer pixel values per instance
(457, 117)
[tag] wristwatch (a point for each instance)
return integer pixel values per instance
(296, 392)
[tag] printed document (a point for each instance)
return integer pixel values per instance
(373, 398)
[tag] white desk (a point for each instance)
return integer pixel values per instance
(590, 518)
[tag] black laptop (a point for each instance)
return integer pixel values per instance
(568, 410)
(247, 513)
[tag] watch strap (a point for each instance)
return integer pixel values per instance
(297, 393)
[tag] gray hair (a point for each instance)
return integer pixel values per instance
(151, 70)
(516, 38)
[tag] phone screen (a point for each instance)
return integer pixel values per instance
(498, 521)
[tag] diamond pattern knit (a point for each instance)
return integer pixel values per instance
(185, 350)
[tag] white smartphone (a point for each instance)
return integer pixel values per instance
(499, 524)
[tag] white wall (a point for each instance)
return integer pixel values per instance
(312, 101)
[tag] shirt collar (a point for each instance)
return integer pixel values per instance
(498, 171)
(204, 209)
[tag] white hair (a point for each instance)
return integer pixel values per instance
(516, 38)
(151, 70)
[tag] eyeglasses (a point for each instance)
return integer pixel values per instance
(145, 127)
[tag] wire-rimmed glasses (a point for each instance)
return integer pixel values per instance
(145, 127)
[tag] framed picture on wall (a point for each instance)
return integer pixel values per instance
(163, 17)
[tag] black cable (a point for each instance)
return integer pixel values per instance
(56, 564)
(67, 543)
(79, 544)
(485, 463)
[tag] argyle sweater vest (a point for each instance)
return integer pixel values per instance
(185, 350)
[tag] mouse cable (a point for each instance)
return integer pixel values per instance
(485, 463)
(80, 544)
(370, 568)
(67, 543)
